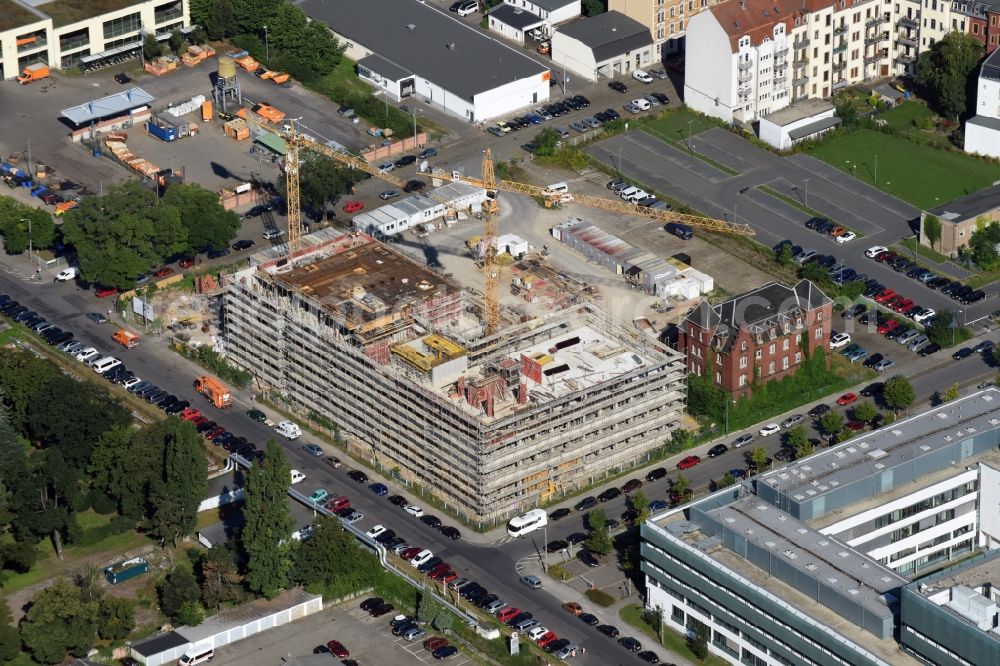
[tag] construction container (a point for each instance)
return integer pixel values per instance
(214, 390)
(123, 571)
(206, 111)
(125, 338)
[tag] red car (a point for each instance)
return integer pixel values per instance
(887, 326)
(891, 302)
(214, 432)
(884, 296)
(164, 272)
(883, 257)
(448, 576)
(903, 305)
(505, 614)
(186, 262)
(855, 425)
(353, 206)
(438, 569)
(410, 553)
(689, 462)
(338, 650)
(198, 421)
(546, 638)
(104, 292)
(190, 414)
(847, 398)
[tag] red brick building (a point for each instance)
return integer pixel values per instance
(979, 18)
(757, 332)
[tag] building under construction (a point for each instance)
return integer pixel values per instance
(396, 355)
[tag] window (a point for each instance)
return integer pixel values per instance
(784, 344)
(756, 354)
(743, 381)
(122, 25)
(677, 615)
(743, 361)
(718, 377)
(819, 316)
(743, 347)
(819, 332)
(770, 368)
(784, 363)
(798, 357)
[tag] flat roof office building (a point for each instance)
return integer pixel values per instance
(808, 564)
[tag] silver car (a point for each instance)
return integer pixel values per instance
(917, 342)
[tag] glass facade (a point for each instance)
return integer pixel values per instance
(122, 25)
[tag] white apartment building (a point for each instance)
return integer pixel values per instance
(747, 58)
(982, 131)
(33, 31)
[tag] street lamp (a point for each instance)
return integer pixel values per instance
(875, 176)
(690, 149)
(267, 48)
(415, 111)
(28, 220)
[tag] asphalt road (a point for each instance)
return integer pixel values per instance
(883, 219)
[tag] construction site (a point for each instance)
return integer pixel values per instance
(400, 357)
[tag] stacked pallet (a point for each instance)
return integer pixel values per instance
(196, 54)
(190, 106)
(121, 152)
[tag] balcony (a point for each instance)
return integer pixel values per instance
(875, 57)
(744, 77)
(802, 62)
(839, 85)
(907, 22)
(839, 66)
(875, 21)
(875, 39)
(781, 53)
(841, 29)
(905, 59)
(744, 91)
(840, 48)
(780, 80)
(32, 45)
(744, 65)
(907, 41)
(801, 44)
(799, 82)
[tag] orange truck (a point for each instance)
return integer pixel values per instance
(125, 338)
(214, 390)
(33, 73)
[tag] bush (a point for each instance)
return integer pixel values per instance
(560, 573)
(600, 597)
(100, 502)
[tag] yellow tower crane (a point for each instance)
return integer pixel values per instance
(294, 140)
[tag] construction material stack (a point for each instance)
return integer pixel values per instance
(196, 54)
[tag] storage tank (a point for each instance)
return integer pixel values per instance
(227, 67)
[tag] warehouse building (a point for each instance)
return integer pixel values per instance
(609, 45)
(816, 562)
(69, 34)
(424, 52)
(395, 354)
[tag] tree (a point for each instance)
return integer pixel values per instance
(10, 641)
(932, 229)
(681, 485)
(831, 423)
(940, 330)
(656, 616)
(428, 607)
(796, 438)
(199, 11)
(898, 393)
(220, 21)
(593, 7)
(545, 142)
(783, 255)
(680, 440)
(945, 68)
(816, 274)
(251, 14)
(444, 620)
(981, 249)
(208, 224)
(58, 622)
(220, 580)
(330, 561)
(176, 41)
(178, 587)
(865, 411)
(190, 614)
(266, 534)
(115, 237)
(151, 47)
(180, 484)
(698, 640)
(117, 618)
(640, 504)
(727, 480)
(322, 180)
(758, 456)
(598, 539)
(19, 223)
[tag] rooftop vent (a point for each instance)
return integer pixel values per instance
(450, 46)
(411, 26)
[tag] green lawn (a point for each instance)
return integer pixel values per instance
(633, 615)
(673, 124)
(902, 117)
(921, 175)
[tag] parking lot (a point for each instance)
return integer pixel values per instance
(368, 640)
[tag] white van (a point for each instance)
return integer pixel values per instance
(297, 476)
(636, 196)
(640, 75)
(641, 104)
(288, 429)
(102, 365)
(197, 655)
(421, 557)
(557, 188)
